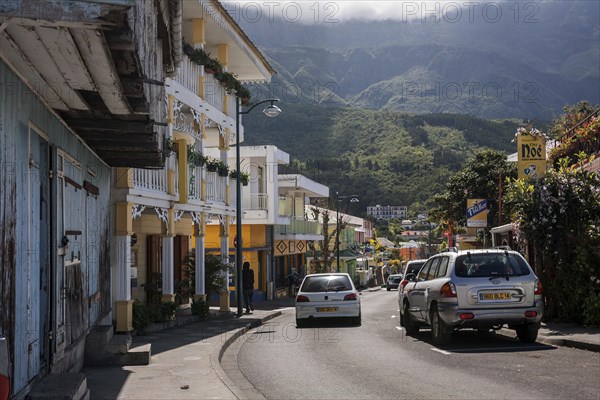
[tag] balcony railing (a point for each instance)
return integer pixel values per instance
(299, 227)
(215, 187)
(188, 74)
(194, 182)
(150, 179)
(256, 201)
(214, 92)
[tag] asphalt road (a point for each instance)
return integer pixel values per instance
(377, 360)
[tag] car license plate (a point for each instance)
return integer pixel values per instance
(494, 296)
(327, 309)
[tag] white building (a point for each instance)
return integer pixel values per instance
(387, 212)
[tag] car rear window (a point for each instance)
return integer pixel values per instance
(413, 268)
(490, 264)
(396, 280)
(331, 283)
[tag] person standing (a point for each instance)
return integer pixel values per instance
(248, 289)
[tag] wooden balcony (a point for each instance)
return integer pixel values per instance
(215, 187)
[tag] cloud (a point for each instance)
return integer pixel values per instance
(310, 11)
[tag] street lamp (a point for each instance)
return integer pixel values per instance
(353, 199)
(270, 111)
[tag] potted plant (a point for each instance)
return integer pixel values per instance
(222, 169)
(212, 165)
(244, 177)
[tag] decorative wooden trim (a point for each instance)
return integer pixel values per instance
(91, 188)
(72, 183)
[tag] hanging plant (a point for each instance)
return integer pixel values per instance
(212, 165)
(196, 158)
(244, 177)
(213, 66)
(222, 169)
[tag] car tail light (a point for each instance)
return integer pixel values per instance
(538, 287)
(302, 299)
(530, 314)
(351, 296)
(448, 290)
(467, 315)
(403, 283)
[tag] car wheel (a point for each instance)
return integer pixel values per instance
(527, 333)
(388, 289)
(410, 327)
(439, 330)
(300, 323)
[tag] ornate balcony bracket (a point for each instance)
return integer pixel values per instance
(196, 217)
(162, 214)
(178, 215)
(137, 211)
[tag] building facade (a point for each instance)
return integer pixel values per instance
(275, 229)
(387, 212)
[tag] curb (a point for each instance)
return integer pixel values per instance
(559, 341)
(217, 354)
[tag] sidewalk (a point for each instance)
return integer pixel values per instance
(569, 335)
(185, 360)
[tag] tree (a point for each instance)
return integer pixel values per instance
(479, 179)
(322, 256)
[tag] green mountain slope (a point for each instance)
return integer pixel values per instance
(384, 157)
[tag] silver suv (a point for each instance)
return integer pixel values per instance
(478, 289)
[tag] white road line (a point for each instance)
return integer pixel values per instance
(399, 328)
(393, 316)
(447, 353)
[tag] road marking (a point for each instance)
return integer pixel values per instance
(393, 316)
(399, 328)
(447, 353)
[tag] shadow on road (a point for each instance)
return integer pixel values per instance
(471, 341)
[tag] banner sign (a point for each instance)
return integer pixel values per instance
(477, 213)
(531, 151)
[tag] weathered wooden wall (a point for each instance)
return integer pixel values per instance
(32, 271)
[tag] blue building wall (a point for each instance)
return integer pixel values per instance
(54, 242)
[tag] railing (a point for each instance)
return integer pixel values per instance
(256, 201)
(214, 92)
(188, 74)
(233, 192)
(285, 206)
(150, 179)
(194, 182)
(299, 227)
(215, 187)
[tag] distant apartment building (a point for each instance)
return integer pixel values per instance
(387, 212)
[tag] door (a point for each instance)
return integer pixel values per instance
(181, 273)
(416, 293)
(38, 257)
(92, 240)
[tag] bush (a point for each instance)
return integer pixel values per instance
(143, 316)
(200, 308)
(168, 310)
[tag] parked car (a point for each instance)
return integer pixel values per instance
(326, 296)
(393, 281)
(411, 267)
(479, 289)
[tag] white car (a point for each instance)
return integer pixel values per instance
(329, 295)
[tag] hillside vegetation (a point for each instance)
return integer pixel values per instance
(384, 157)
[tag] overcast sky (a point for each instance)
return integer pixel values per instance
(311, 11)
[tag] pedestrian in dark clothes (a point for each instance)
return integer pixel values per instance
(248, 289)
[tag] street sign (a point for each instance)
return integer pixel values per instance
(531, 152)
(477, 213)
